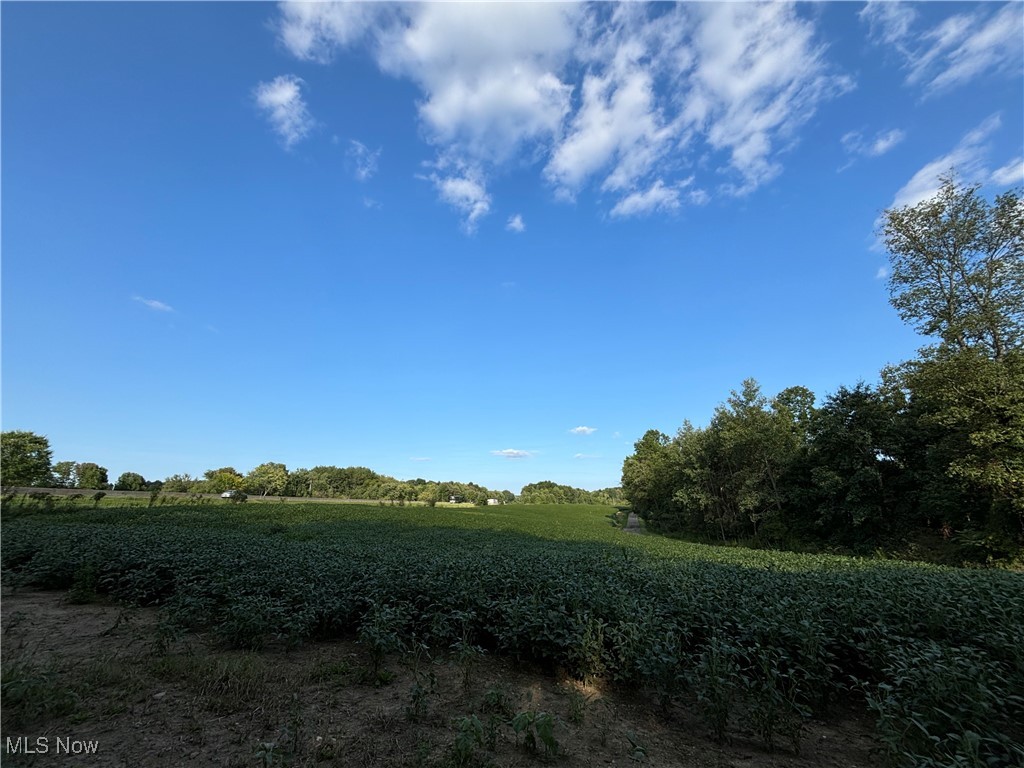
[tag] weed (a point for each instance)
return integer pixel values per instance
(577, 707)
(538, 732)
(31, 692)
(469, 737)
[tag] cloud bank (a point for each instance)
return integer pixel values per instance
(624, 99)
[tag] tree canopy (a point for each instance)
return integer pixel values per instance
(938, 445)
(24, 459)
(957, 267)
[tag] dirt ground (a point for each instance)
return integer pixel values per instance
(93, 677)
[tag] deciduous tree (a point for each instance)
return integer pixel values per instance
(130, 481)
(267, 479)
(957, 267)
(24, 459)
(91, 475)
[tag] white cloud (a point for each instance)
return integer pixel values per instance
(657, 198)
(620, 125)
(627, 97)
(363, 159)
(515, 223)
(954, 52)
(586, 456)
(1010, 174)
(967, 159)
(487, 71)
(464, 190)
(856, 145)
(369, 202)
(313, 30)
(153, 304)
(882, 273)
(419, 458)
(583, 430)
(889, 22)
(885, 141)
(281, 100)
(512, 453)
(759, 76)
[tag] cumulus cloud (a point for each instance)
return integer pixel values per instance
(967, 158)
(620, 129)
(628, 98)
(487, 71)
(957, 50)
(282, 103)
(153, 304)
(363, 160)
(512, 453)
(313, 31)
(515, 223)
(583, 430)
(882, 273)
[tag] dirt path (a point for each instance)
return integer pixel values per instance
(632, 523)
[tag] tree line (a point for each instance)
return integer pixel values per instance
(27, 461)
(936, 446)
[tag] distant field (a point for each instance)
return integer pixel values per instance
(756, 639)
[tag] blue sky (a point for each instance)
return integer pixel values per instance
(471, 242)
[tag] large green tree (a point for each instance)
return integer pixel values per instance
(24, 459)
(957, 267)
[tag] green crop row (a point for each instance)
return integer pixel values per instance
(766, 638)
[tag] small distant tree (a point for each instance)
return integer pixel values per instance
(223, 479)
(91, 475)
(24, 459)
(267, 479)
(179, 483)
(63, 474)
(130, 481)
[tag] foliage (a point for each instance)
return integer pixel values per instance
(548, 492)
(938, 445)
(267, 479)
(957, 267)
(24, 460)
(88, 474)
(130, 481)
(63, 474)
(760, 637)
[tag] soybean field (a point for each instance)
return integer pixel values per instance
(741, 639)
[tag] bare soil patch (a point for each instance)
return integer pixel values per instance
(95, 673)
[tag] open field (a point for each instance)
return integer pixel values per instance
(467, 636)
